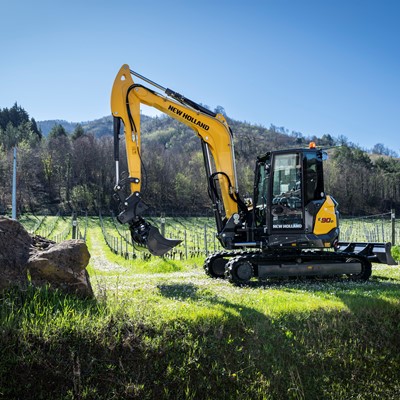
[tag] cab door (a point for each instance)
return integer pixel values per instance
(287, 194)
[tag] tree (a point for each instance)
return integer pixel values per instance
(57, 153)
(15, 127)
(342, 140)
(12, 135)
(327, 140)
(5, 179)
(220, 110)
(57, 131)
(380, 149)
(35, 129)
(349, 179)
(29, 177)
(82, 197)
(78, 132)
(16, 115)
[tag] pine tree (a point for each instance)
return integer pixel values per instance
(57, 131)
(18, 115)
(78, 132)
(35, 129)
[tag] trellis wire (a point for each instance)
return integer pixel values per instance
(197, 235)
(374, 228)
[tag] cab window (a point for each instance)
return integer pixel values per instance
(287, 201)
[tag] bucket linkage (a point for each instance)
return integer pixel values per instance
(145, 236)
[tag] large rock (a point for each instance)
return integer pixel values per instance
(60, 265)
(15, 247)
(63, 265)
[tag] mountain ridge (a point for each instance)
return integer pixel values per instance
(103, 126)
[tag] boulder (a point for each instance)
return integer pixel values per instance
(15, 247)
(25, 258)
(63, 266)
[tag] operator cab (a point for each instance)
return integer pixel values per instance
(287, 184)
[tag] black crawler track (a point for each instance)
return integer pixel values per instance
(214, 265)
(240, 267)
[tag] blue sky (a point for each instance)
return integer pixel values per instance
(316, 67)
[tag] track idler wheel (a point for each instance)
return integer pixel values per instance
(214, 266)
(239, 271)
(366, 269)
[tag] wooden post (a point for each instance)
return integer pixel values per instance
(186, 249)
(162, 225)
(205, 240)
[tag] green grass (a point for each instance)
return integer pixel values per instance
(167, 331)
(396, 252)
(153, 265)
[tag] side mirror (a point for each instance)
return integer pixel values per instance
(323, 155)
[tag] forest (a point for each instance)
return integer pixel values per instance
(64, 169)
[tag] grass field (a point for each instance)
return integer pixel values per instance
(163, 329)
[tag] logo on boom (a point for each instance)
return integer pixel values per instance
(189, 118)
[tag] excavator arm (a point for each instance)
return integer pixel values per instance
(216, 138)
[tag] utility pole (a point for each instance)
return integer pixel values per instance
(14, 186)
(393, 219)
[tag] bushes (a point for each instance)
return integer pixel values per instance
(396, 253)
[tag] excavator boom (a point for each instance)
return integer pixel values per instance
(217, 144)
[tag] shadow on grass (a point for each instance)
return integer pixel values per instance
(326, 353)
(240, 353)
(181, 291)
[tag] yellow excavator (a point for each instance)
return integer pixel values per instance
(289, 228)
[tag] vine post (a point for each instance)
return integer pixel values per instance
(74, 225)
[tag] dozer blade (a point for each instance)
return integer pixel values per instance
(148, 237)
(375, 252)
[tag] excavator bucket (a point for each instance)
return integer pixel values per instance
(148, 237)
(145, 237)
(157, 244)
(375, 252)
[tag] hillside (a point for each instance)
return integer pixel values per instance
(279, 136)
(98, 127)
(74, 168)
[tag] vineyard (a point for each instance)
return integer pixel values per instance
(197, 233)
(160, 328)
